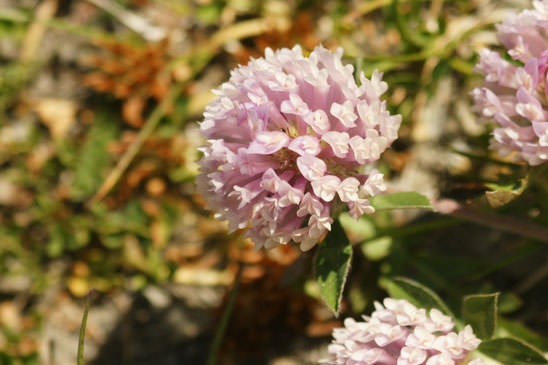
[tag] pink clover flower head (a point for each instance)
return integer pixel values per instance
(288, 137)
(398, 333)
(515, 94)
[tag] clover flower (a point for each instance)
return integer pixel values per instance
(399, 333)
(288, 136)
(515, 94)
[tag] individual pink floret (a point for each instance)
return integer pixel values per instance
(288, 138)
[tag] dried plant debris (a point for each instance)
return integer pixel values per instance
(134, 74)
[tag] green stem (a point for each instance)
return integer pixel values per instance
(219, 335)
(501, 222)
(486, 158)
(416, 228)
(409, 57)
(461, 66)
(51, 352)
(83, 330)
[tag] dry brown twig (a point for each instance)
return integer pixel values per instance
(45, 11)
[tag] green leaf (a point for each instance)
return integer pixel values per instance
(415, 293)
(5, 359)
(378, 248)
(357, 230)
(480, 311)
(332, 266)
(70, 235)
(401, 200)
(501, 194)
(509, 302)
(357, 299)
(210, 13)
(512, 351)
(510, 328)
(94, 158)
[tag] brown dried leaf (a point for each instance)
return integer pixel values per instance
(132, 111)
(57, 114)
(99, 81)
(10, 316)
(156, 186)
(498, 198)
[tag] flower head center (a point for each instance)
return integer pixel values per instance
(286, 158)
